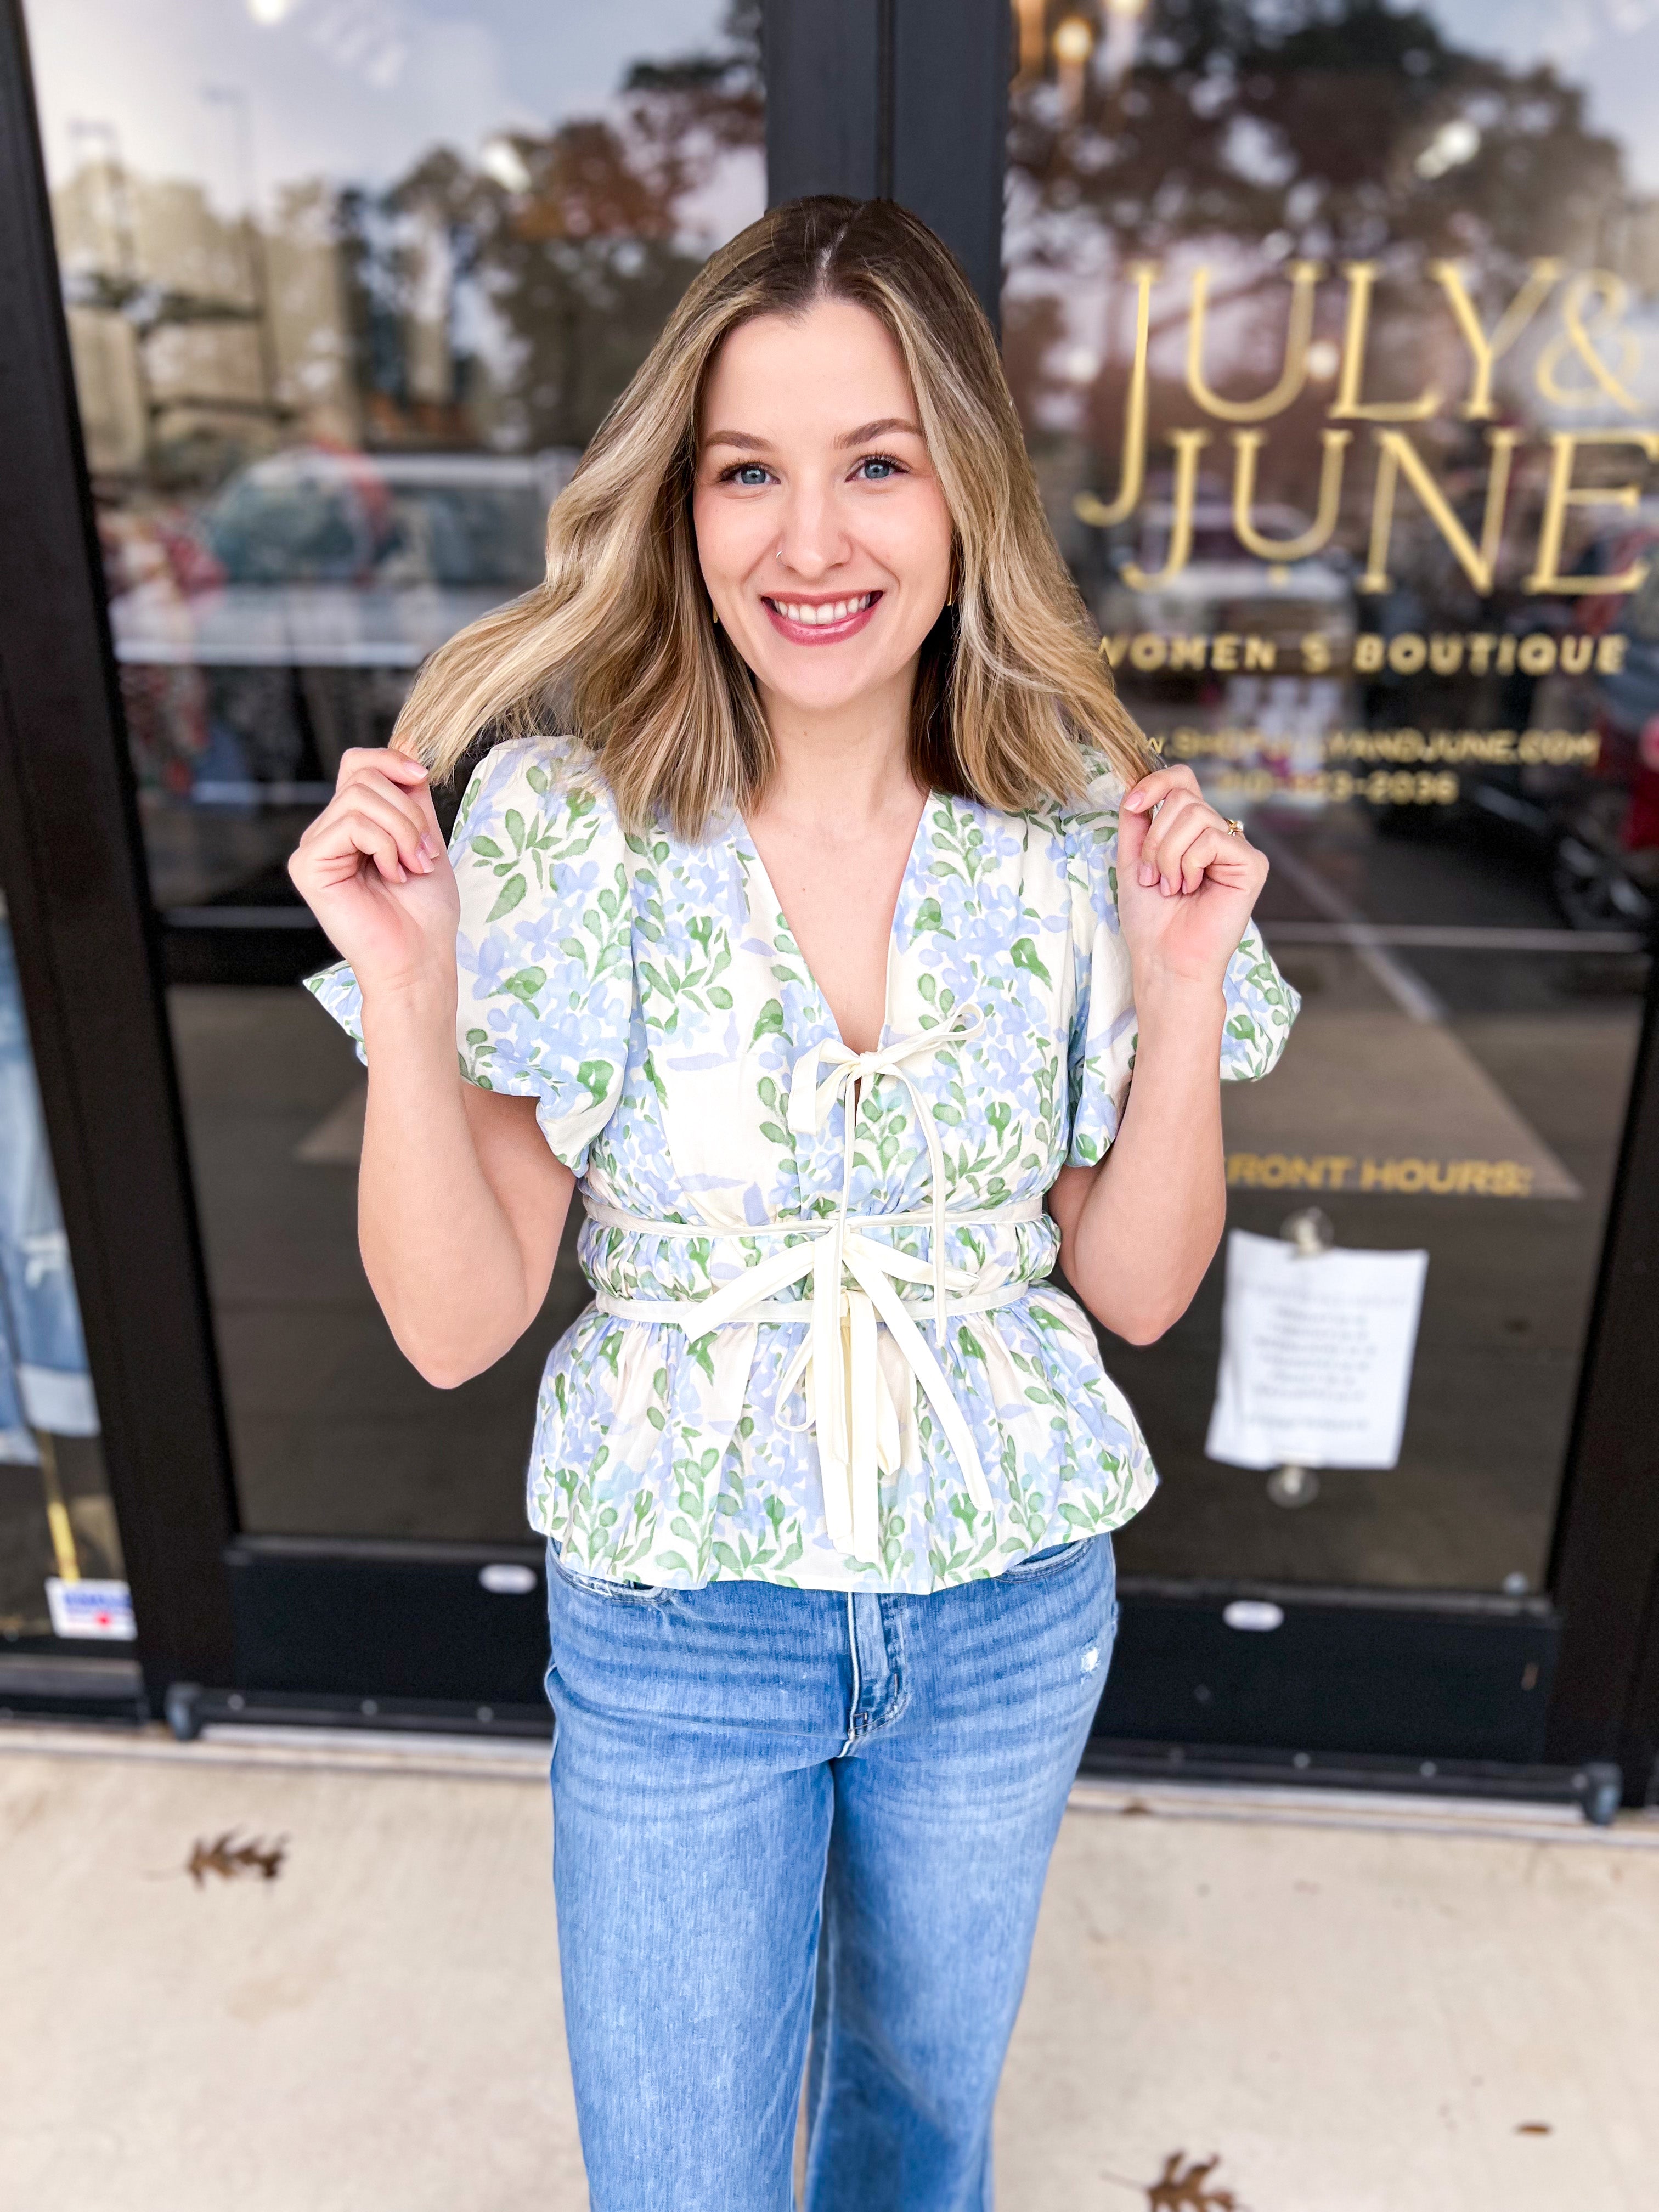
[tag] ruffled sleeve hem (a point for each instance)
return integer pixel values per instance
(543, 948)
(1261, 1005)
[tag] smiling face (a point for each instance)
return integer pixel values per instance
(822, 532)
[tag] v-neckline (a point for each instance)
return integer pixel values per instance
(743, 834)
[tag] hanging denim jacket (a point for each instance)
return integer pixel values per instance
(44, 1383)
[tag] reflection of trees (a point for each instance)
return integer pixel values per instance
(1253, 134)
(577, 267)
(501, 302)
(1326, 127)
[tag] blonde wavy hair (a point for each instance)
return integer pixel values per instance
(619, 645)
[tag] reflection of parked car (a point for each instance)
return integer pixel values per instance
(1221, 587)
(458, 520)
(1606, 859)
(322, 559)
(280, 622)
(1599, 825)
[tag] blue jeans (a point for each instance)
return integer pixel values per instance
(777, 1811)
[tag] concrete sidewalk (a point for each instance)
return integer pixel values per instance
(1377, 2006)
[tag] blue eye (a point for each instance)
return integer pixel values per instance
(747, 473)
(881, 461)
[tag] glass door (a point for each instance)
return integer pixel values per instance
(348, 290)
(1332, 333)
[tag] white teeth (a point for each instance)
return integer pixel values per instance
(813, 617)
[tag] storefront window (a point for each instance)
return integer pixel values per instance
(60, 1558)
(349, 287)
(1333, 329)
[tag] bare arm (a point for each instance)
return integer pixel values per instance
(1138, 1231)
(460, 1202)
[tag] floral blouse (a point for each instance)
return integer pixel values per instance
(735, 1402)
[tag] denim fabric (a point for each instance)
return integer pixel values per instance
(41, 1351)
(777, 1810)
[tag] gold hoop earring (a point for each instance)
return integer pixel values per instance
(716, 613)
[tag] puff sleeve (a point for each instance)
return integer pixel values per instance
(1261, 1005)
(543, 950)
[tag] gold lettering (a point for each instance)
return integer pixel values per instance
(1260, 653)
(1396, 455)
(1315, 654)
(1610, 653)
(1408, 652)
(1536, 655)
(1188, 444)
(1487, 351)
(1562, 495)
(1113, 648)
(1576, 655)
(1100, 514)
(1187, 652)
(1613, 298)
(1368, 653)
(1247, 444)
(1304, 275)
(1480, 645)
(1445, 655)
(1224, 651)
(1349, 406)
(1148, 651)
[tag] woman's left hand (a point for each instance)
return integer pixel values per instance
(1186, 882)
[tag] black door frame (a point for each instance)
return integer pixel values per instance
(906, 97)
(88, 960)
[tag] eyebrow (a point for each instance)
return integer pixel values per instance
(884, 429)
(865, 431)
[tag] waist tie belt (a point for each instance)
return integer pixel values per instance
(838, 1368)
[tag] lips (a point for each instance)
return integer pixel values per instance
(821, 622)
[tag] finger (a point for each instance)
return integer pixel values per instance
(1167, 834)
(1184, 835)
(1131, 837)
(1224, 856)
(359, 831)
(1206, 850)
(367, 803)
(387, 806)
(383, 760)
(1159, 784)
(417, 836)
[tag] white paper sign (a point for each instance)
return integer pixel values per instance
(1315, 1355)
(91, 1608)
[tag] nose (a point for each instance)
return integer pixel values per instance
(813, 539)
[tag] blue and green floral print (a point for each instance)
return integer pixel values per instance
(649, 995)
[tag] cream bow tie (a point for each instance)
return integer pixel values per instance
(855, 1279)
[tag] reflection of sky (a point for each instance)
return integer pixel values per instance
(346, 89)
(1608, 47)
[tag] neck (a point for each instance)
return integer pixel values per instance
(844, 765)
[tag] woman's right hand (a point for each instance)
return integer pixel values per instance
(373, 869)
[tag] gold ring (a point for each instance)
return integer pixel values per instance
(1234, 828)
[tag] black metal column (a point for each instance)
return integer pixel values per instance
(71, 863)
(899, 98)
(1605, 1574)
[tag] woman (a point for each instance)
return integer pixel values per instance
(818, 956)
